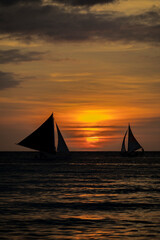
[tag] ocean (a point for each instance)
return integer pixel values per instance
(86, 195)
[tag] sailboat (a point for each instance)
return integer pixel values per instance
(43, 139)
(133, 145)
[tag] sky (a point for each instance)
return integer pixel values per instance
(93, 63)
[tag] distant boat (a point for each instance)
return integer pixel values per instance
(43, 139)
(133, 145)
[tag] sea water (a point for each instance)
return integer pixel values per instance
(83, 196)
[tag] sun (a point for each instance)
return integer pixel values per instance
(93, 116)
(92, 139)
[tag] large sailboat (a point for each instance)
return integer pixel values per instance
(133, 145)
(43, 139)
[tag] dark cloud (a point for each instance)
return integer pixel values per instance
(54, 23)
(84, 2)
(81, 133)
(12, 2)
(8, 80)
(92, 127)
(16, 56)
(67, 2)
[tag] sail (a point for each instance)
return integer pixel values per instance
(123, 148)
(62, 147)
(43, 138)
(133, 144)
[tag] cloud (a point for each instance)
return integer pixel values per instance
(8, 80)
(67, 2)
(92, 127)
(16, 56)
(80, 133)
(55, 23)
(12, 2)
(146, 123)
(84, 2)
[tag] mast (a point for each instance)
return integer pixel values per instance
(123, 148)
(43, 138)
(62, 146)
(133, 144)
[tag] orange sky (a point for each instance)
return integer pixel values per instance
(95, 66)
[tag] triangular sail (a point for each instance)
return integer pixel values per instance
(62, 147)
(133, 144)
(43, 138)
(123, 148)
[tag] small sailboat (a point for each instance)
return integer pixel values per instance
(43, 139)
(133, 145)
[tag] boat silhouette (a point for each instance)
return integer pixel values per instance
(134, 148)
(43, 139)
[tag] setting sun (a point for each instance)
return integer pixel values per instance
(94, 116)
(92, 139)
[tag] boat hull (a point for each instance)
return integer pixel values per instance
(55, 156)
(133, 154)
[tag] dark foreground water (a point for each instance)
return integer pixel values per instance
(85, 196)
